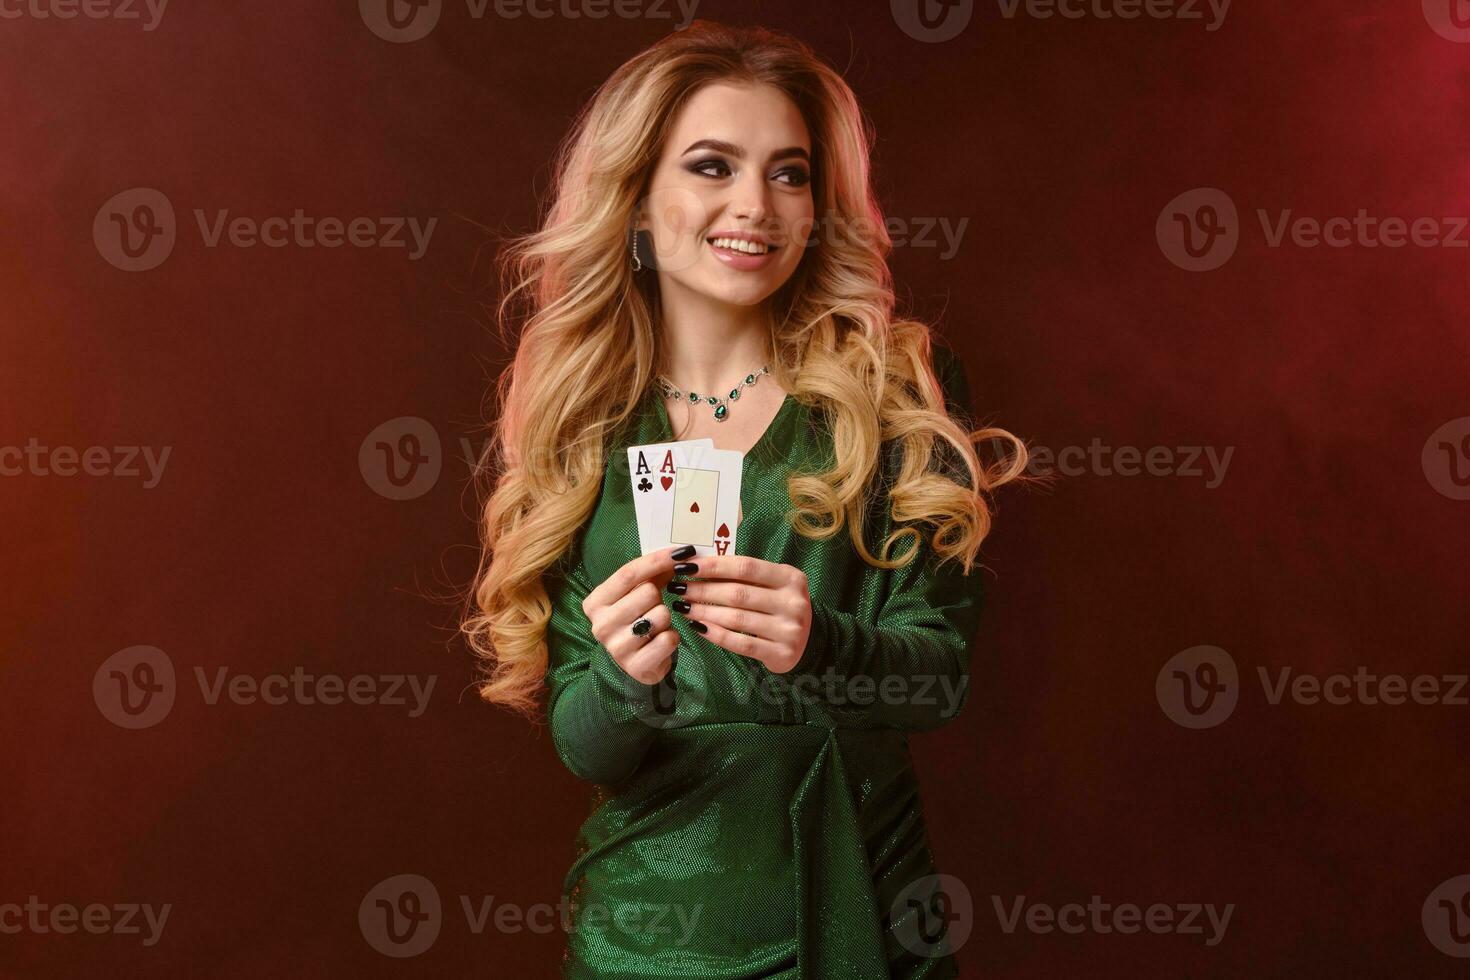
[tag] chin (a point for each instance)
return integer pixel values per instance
(749, 295)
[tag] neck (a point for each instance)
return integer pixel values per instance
(710, 347)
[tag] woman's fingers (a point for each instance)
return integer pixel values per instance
(778, 629)
(755, 647)
(644, 600)
(656, 565)
(740, 595)
(745, 568)
(651, 662)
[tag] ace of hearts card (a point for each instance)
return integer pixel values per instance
(686, 492)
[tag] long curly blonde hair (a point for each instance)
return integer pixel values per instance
(589, 347)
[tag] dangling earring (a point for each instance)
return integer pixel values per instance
(638, 263)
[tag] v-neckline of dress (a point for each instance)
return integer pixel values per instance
(761, 448)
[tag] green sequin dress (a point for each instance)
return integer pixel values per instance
(746, 824)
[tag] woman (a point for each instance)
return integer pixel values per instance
(756, 812)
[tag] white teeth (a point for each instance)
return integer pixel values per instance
(741, 245)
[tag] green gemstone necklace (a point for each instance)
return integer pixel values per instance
(722, 410)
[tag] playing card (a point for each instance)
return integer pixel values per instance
(706, 504)
(652, 470)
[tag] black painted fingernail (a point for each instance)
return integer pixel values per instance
(685, 568)
(699, 626)
(678, 588)
(685, 552)
(681, 606)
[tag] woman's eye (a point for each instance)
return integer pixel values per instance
(699, 167)
(794, 176)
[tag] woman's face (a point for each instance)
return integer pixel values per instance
(737, 165)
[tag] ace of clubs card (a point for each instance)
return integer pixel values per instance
(686, 493)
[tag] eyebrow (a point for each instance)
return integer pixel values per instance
(733, 150)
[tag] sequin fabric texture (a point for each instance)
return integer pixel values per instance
(745, 824)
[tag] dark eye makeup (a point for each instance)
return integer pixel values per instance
(798, 175)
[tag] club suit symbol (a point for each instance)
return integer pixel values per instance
(401, 459)
(933, 915)
(1198, 687)
(932, 21)
(1450, 19)
(1199, 230)
(401, 916)
(136, 229)
(644, 486)
(400, 21)
(135, 687)
(1446, 917)
(1446, 459)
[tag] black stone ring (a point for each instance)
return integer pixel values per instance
(642, 627)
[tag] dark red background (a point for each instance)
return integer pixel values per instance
(1326, 547)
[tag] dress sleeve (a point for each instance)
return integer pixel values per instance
(917, 649)
(598, 712)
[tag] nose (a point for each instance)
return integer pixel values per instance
(751, 197)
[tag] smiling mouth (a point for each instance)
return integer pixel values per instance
(742, 246)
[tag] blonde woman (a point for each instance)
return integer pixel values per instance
(714, 265)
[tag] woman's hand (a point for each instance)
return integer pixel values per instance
(631, 593)
(750, 606)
